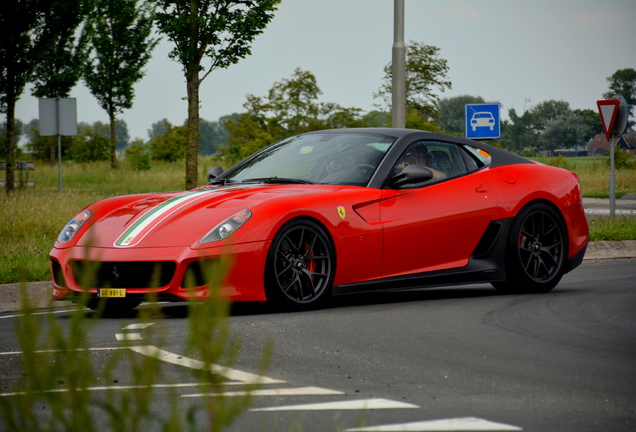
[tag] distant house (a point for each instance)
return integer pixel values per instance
(600, 146)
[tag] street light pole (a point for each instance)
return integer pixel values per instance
(398, 106)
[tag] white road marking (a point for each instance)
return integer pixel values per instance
(298, 391)
(453, 424)
(364, 404)
(58, 350)
(138, 326)
(59, 311)
(102, 388)
(128, 336)
(179, 360)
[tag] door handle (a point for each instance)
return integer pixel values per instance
(481, 188)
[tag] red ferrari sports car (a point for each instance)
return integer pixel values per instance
(333, 212)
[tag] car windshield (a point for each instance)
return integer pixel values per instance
(325, 158)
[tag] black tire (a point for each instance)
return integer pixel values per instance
(536, 251)
(300, 265)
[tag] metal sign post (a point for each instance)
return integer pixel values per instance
(614, 113)
(58, 117)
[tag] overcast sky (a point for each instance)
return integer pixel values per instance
(515, 52)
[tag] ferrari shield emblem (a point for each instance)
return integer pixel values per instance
(341, 212)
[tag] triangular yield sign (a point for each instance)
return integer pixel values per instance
(608, 108)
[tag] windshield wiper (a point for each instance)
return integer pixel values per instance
(222, 181)
(277, 180)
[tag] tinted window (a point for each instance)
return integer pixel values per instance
(443, 159)
(327, 158)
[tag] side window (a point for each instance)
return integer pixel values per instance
(445, 160)
(476, 158)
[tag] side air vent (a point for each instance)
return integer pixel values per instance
(58, 275)
(488, 239)
(199, 273)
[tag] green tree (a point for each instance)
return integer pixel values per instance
(452, 112)
(3, 136)
(623, 82)
(546, 111)
(523, 131)
(138, 155)
(60, 64)
(377, 119)
(91, 144)
(425, 71)
(517, 133)
(75, 148)
(416, 120)
(592, 121)
(212, 136)
(158, 128)
(569, 131)
(291, 107)
(293, 103)
(29, 31)
(118, 32)
(39, 147)
(219, 29)
(171, 146)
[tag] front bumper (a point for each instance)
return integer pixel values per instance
(177, 272)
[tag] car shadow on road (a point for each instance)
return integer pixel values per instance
(180, 310)
(373, 299)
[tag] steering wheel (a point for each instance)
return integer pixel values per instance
(368, 169)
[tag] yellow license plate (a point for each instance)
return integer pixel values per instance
(111, 292)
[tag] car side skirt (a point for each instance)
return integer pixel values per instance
(486, 264)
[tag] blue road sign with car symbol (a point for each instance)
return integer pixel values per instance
(482, 121)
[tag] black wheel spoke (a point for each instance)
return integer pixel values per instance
(549, 256)
(536, 250)
(302, 264)
(294, 285)
(540, 246)
(310, 249)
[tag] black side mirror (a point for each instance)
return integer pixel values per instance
(411, 174)
(214, 173)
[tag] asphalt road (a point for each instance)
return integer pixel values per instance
(452, 358)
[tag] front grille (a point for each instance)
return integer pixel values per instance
(139, 274)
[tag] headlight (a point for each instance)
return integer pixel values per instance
(227, 227)
(71, 228)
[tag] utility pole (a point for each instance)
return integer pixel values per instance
(398, 106)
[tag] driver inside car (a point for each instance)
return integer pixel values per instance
(416, 155)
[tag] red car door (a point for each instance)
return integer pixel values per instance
(434, 227)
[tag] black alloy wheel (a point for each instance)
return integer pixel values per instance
(536, 252)
(300, 265)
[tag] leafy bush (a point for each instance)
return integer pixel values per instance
(622, 160)
(560, 162)
(89, 146)
(138, 156)
(171, 146)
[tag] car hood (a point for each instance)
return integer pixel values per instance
(181, 218)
